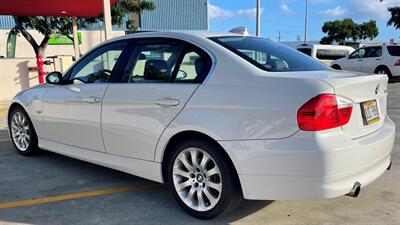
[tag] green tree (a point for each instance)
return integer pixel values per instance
(395, 17)
(118, 12)
(47, 25)
(369, 30)
(341, 31)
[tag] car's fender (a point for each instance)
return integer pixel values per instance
(31, 101)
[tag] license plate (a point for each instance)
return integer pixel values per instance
(370, 112)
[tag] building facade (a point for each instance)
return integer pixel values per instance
(168, 15)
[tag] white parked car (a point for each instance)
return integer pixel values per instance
(378, 59)
(326, 53)
(220, 117)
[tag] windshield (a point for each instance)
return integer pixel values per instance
(269, 55)
(394, 50)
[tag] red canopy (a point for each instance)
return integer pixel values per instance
(79, 8)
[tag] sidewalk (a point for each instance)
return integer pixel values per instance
(3, 115)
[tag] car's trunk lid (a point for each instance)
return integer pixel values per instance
(360, 90)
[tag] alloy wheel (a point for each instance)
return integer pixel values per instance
(20, 131)
(381, 72)
(197, 179)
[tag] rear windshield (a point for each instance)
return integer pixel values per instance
(394, 50)
(306, 51)
(269, 55)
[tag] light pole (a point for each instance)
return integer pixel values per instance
(305, 23)
(258, 12)
(107, 19)
(75, 36)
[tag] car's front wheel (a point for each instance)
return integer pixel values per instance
(202, 180)
(23, 134)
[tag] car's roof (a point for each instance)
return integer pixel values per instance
(324, 46)
(203, 33)
(181, 33)
(378, 45)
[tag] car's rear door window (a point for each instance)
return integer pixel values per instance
(164, 60)
(373, 52)
(193, 68)
(269, 55)
(153, 63)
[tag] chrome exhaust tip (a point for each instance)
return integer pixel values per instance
(390, 166)
(355, 191)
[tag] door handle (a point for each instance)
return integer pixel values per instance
(168, 102)
(378, 59)
(91, 100)
(360, 60)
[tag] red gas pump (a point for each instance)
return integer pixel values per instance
(41, 72)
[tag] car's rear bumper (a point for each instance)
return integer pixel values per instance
(395, 70)
(310, 165)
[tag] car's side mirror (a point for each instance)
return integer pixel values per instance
(181, 75)
(54, 78)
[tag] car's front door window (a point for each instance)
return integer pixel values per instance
(98, 66)
(358, 54)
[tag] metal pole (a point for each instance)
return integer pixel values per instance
(208, 15)
(305, 23)
(258, 12)
(75, 37)
(107, 19)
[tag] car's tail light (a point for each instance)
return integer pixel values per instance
(323, 112)
(397, 63)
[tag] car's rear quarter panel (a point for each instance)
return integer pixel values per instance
(249, 106)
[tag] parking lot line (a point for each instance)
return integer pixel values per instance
(79, 195)
(5, 140)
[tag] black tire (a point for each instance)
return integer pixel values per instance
(32, 146)
(384, 70)
(336, 67)
(231, 194)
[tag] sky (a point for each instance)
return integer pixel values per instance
(287, 16)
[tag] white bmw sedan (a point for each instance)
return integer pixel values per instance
(219, 117)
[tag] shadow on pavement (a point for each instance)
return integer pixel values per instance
(50, 174)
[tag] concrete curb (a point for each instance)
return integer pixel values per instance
(3, 114)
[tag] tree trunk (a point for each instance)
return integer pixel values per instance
(39, 49)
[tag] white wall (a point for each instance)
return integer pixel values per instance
(15, 76)
(14, 73)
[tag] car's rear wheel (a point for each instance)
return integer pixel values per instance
(336, 67)
(384, 70)
(23, 134)
(202, 180)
